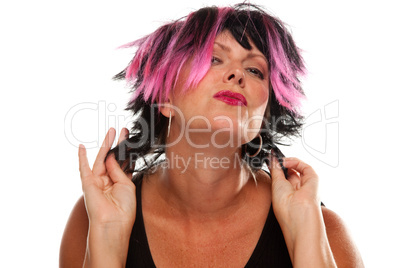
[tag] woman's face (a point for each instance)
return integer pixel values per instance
(230, 100)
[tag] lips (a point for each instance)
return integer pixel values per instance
(231, 98)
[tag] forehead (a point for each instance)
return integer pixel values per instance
(226, 41)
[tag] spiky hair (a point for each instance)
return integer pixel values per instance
(160, 56)
(159, 59)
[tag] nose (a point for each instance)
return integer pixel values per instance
(235, 75)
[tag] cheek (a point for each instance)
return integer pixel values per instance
(255, 116)
(261, 98)
(212, 77)
(257, 113)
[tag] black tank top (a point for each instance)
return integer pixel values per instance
(270, 251)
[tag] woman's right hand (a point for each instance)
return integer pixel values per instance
(109, 192)
(110, 202)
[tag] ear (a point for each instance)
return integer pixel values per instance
(166, 108)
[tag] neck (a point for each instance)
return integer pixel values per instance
(204, 183)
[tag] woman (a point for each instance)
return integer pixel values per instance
(213, 93)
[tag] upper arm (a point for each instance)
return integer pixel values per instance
(343, 248)
(73, 243)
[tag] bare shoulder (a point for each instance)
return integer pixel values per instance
(344, 249)
(73, 243)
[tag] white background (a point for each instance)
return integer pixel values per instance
(55, 55)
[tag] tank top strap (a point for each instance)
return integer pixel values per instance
(270, 251)
(139, 254)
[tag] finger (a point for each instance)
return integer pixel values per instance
(85, 170)
(115, 172)
(123, 135)
(294, 178)
(306, 171)
(276, 171)
(280, 185)
(99, 166)
(127, 165)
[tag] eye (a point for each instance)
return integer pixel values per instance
(256, 72)
(215, 60)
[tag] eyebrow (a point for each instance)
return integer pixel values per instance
(223, 47)
(250, 54)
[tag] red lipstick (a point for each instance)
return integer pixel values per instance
(231, 98)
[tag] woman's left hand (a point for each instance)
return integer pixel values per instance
(300, 189)
(296, 197)
(297, 208)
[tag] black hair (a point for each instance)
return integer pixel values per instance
(245, 22)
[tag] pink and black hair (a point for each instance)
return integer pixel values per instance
(154, 70)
